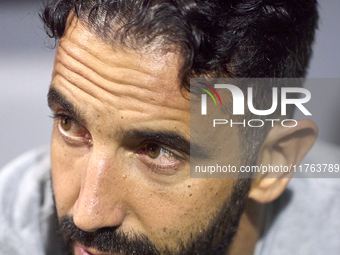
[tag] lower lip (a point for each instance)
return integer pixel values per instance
(79, 250)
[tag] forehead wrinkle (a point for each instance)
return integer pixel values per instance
(151, 118)
(80, 46)
(143, 112)
(135, 100)
(98, 70)
(66, 87)
(80, 69)
(120, 90)
(143, 108)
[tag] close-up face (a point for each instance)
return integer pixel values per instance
(172, 127)
(120, 149)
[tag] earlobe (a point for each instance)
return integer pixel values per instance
(283, 147)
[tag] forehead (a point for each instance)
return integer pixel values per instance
(87, 62)
(140, 86)
(150, 68)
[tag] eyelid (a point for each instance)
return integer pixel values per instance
(72, 139)
(158, 168)
(59, 112)
(58, 116)
(175, 153)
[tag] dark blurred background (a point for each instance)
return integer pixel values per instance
(26, 61)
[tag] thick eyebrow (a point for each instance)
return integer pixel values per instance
(54, 97)
(169, 138)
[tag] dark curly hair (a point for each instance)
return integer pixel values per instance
(235, 38)
(217, 38)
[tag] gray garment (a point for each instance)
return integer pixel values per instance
(27, 216)
(304, 220)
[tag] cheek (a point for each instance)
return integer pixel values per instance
(172, 215)
(65, 170)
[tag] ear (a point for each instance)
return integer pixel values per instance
(283, 146)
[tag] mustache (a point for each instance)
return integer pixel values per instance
(105, 239)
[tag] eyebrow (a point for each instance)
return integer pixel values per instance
(54, 97)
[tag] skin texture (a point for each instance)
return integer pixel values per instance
(104, 178)
(103, 175)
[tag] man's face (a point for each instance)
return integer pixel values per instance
(120, 148)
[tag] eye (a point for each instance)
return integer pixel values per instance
(159, 158)
(71, 130)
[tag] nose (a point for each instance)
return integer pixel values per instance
(99, 204)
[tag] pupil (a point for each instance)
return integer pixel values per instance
(65, 124)
(153, 150)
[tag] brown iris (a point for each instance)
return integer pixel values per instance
(153, 150)
(66, 123)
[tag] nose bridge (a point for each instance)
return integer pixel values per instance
(98, 204)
